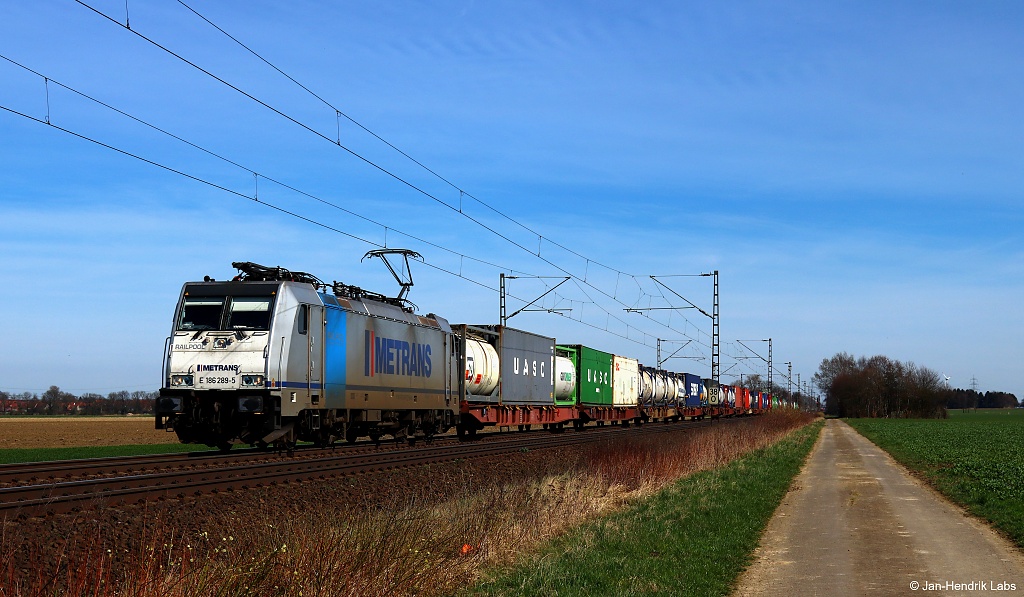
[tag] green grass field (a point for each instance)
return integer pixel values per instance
(974, 458)
(693, 538)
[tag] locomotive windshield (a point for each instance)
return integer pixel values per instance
(201, 313)
(249, 313)
(209, 313)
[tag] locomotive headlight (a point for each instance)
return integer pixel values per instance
(252, 380)
(181, 380)
(250, 404)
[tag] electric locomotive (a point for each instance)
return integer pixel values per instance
(271, 357)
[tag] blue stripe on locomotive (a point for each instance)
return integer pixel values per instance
(334, 356)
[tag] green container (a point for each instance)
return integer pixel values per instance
(593, 375)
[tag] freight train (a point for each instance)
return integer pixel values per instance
(273, 357)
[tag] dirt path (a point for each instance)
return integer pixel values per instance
(855, 523)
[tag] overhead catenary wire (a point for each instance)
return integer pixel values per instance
(396, 177)
(462, 192)
(228, 190)
(742, 360)
(256, 175)
(286, 211)
(645, 335)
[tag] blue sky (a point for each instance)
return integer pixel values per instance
(853, 170)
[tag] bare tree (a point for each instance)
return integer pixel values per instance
(880, 387)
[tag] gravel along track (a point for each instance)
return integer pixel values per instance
(72, 485)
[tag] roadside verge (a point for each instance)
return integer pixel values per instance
(694, 537)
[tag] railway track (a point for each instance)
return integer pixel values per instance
(113, 481)
(71, 470)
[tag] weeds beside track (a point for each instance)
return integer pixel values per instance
(694, 537)
(433, 544)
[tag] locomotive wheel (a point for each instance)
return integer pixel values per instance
(224, 446)
(351, 435)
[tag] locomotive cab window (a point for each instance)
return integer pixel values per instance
(201, 313)
(303, 319)
(249, 313)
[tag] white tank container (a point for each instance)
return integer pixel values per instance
(681, 390)
(646, 386)
(565, 378)
(671, 388)
(660, 387)
(482, 368)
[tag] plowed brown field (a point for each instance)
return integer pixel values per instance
(63, 432)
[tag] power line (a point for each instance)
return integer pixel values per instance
(387, 172)
(239, 194)
(209, 152)
(292, 188)
(338, 111)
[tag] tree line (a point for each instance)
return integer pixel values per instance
(882, 387)
(55, 401)
(962, 399)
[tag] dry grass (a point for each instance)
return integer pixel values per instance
(403, 549)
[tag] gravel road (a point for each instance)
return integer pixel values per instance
(857, 523)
